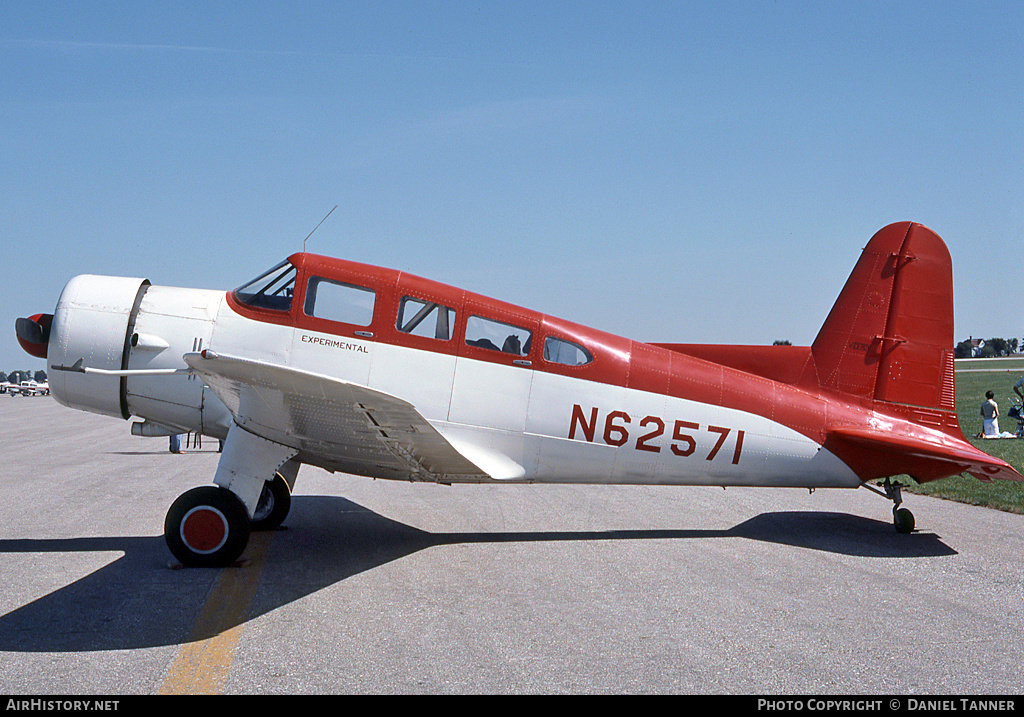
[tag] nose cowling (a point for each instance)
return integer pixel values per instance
(34, 334)
(93, 324)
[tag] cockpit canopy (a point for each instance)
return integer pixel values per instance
(272, 289)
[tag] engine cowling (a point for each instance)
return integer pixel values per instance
(93, 322)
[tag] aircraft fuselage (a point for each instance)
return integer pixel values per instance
(627, 413)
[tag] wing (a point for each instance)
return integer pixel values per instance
(332, 423)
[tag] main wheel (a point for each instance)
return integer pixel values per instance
(275, 502)
(903, 519)
(207, 527)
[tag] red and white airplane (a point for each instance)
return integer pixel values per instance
(25, 388)
(380, 373)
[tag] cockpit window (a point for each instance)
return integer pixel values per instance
(498, 336)
(336, 301)
(565, 352)
(270, 290)
(425, 318)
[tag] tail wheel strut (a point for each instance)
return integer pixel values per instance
(902, 519)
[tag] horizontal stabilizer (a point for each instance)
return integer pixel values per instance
(874, 454)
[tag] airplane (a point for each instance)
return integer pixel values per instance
(26, 388)
(376, 372)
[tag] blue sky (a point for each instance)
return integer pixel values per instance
(676, 171)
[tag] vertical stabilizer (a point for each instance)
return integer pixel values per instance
(889, 336)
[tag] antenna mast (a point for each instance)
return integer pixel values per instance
(316, 227)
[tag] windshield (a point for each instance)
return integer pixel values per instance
(270, 290)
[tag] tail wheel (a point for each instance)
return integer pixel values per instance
(207, 527)
(275, 502)
(903, 519)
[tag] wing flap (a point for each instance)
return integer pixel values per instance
(333, 423)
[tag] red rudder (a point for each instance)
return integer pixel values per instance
(889, 336)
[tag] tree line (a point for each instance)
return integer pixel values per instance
(19, 376)
(986, 348)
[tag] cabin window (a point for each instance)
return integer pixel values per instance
(498, 336)
(336, 301)
(270, 290)
(565, 352)
(425, 318)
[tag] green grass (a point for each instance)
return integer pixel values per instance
(973, 379)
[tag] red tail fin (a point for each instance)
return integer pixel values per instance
(889, 340)
(889, 336)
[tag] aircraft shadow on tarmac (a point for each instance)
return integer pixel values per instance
(136, 601)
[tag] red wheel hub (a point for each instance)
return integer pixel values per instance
(204, 529)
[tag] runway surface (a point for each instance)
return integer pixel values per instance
(382, 587)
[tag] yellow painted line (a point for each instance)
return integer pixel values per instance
(203, 663)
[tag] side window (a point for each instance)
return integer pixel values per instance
(565, 352)
(497, 336)
(335, 301)
(425, 318)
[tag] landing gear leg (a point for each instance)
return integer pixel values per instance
(902, 519)
(209, 526)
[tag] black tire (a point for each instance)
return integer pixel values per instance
(275, 502)
(903, 519)
(207, 527)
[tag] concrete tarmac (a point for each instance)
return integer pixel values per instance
(383, 587)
